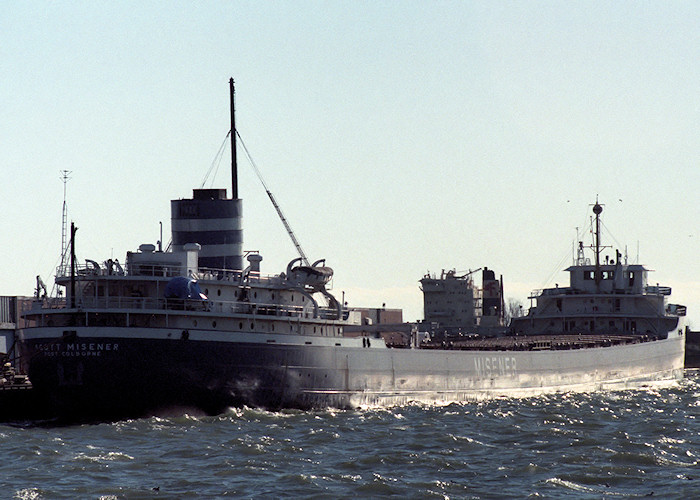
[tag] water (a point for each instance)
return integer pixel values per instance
(623, 444)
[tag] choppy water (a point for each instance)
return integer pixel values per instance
(634, 443)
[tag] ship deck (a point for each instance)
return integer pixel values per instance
(536, 342)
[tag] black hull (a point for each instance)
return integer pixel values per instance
(116, 373)
(692, 349)
(22, 403)
(145, 377)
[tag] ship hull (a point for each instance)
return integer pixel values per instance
(692, 349)
(108, 372)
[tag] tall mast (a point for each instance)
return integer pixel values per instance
(64, 177)
(597, 210)
(234, 163)
(73, 229)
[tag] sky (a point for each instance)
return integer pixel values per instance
(399, 137)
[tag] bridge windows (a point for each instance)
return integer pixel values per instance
(604, 275)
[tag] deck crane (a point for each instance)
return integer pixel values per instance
(300, 250)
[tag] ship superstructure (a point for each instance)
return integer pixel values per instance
(454, 304)
(605, 296)
(176, 334)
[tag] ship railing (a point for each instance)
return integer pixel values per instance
(121, 302)
(214, 274)
(53, 303)
(269, 309)
(161, 270)
(676, 310)
(90, 268)
(223, 308)
(156, 270)
(203, 273)
(649, 290)
(541, 292)
(38, 305)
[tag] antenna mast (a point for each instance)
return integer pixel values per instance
(597, 210)
(73, 229)
(234, 163)
(65, 178)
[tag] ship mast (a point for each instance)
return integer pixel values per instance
(65, 177)
(597, 210)
(234, 163)
(73, 229)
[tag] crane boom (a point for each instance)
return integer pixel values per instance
(288, 228)
(304, 259)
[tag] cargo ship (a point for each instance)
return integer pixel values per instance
(199, 327)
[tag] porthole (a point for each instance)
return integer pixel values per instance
(252, 326)
(206, 292)
(273, 296)
(255, 295)
(194, 322)
(240, 326)
(213, 324)
(218, 292)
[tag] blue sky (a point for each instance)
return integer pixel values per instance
(399, 137)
